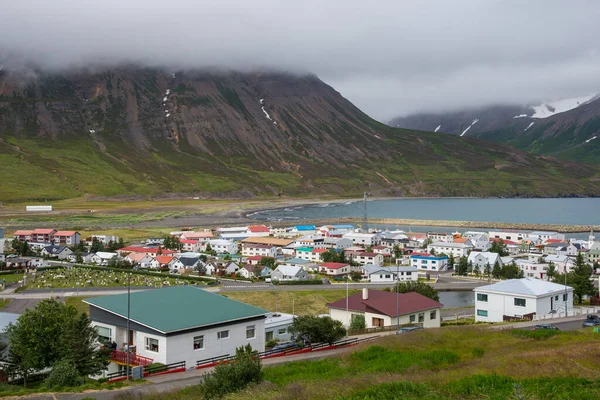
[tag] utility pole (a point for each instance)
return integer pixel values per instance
(128, 320)
(566, 294)
(397, 295)
(365, 215)
(347, 314)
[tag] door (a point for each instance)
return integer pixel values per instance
(131, 337)
(377, 322)
(551, 302)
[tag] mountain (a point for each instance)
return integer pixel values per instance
(565, 129)
(132, 131)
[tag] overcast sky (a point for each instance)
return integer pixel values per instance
(390, 57)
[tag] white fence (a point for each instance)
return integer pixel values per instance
(579, 311)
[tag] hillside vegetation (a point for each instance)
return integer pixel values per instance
(133, 131)
(466, 363)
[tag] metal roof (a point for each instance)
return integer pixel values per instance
(524, 286)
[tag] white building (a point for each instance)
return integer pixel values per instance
(363, 239)
(542, 236)
(458, 250)
(263, 250)
(103, 257)
(511, 235)
(308, 266)
(287, 273)
(365, 258)
(180, 323)
(521, 298)
(425, 262)
(276, 327)
(377, 274)
(223, 246)
(380, 309)
(480, 259)
(334, 268)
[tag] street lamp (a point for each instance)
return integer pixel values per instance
(397, 294)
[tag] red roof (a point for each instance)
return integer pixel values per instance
(135, 249)
(554, 241)
(503, 241)
(65, 233)
(319, 251)
(368, 254)
(379, 247)
(258, 228)
(255, 258)
(460, 240)
(23, 233)
(164, 259)
(43, 231)
(188, 241)
(380, 302)
(422, 254)
(334, 265)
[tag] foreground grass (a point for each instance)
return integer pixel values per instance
(302, 302)
(461, 362)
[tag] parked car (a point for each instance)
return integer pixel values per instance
(285, 346)
(408, 329)
(546, 326)
(174, 272)
(591, 320)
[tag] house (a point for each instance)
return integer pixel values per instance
(383, 250)
(287, 273)
(66, 238)
(276, 327)
(233, 233)
(162, 262)
(258, 230)
(480, 259)
(265, 272)
(140, 259)
(231, 268)
(86, 257)
(554, 247)
(365, 258)
(560, 262)
(303, 230)
(185, 262)
(363, 239)
(103, 257)
(151, 251)
(271, 241)
(316, 242)
(458, 250)
(309, 253)
(543, 236)
(23, 235)
(521, 298)
(254, 260)
(200, 237)
(104, 239)
(336, 242)
(60, 252)
(249, 271)
(26, 262)
(263, 250)
(440, 236)
(426, 262)
(532, 269)
(308, 266)
(42, 235)
(377, 274)
(334, 268)
(190, 245)
(505, 235)
(381, 309)
(479, 240)
(167, 325)
(155, 241)
(223, 246)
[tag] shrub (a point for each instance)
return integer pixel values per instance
(231, 378)
(357, 322)
(305, 282)
(535, 335)
(477, 352)
(271, 343)
(63, 374)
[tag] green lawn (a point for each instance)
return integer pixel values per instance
(78, 303)
(4, 302)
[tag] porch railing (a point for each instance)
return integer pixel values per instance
(120, 357)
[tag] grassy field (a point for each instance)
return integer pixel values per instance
(4, 302)
(447, 363)
(77, 302)
(305, 302)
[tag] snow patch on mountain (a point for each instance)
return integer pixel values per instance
(438, 128)
(469, 127)
(590, 139)
(520, 116)
(556, 107)
(528, 126)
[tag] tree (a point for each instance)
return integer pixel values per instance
(24, 248)
(356, 275)
(78, 257)
(397, 251)
(487, 271)
(369, 249)
(167, 242)
(357, 322)
(419, 287)
(451, 260)
(551, 272)
(496, 271)
(96, 246)
(580, 279)
(498, 246)
(470, 267)
(331, 255)
(267, 262)
(79, 347)
(463, 266)
(317, 329)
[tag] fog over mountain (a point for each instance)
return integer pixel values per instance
(391, 58)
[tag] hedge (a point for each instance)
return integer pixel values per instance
(307, 282)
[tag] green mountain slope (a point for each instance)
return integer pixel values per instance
(137, 131)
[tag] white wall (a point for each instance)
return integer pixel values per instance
(344, 318)
(499, 305)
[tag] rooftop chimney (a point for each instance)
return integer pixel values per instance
(365, 294)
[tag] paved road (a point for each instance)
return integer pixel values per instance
(563, 326)
(18, 306)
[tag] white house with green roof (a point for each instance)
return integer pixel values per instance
(180, 323)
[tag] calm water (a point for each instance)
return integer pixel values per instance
(543, 211)
(457, 299)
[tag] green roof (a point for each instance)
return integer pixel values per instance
(176, 308)
(305, 249)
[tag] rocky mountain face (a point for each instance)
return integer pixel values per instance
(133, 131)
(565, 129)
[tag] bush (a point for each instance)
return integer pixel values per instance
(306, 282)
(357, 322)
(271, 343)
(63, 374)
(231, 378)
(541, 334)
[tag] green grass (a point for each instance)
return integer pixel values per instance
(4, 302)
(77, 302)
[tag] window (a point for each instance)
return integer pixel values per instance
(250, 332)
(412, 318)
(519, 302)
(432, 314)
(198, 342)
(104, 334)
(556, 298)
(421, 317)
(564, 297)
(269, 336)
(482, 313)
(282, 331)
(152, 344)
(482, 297)
(222, 335)
(388, 276)
(408, 273)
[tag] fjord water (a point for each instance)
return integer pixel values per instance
(564, 211)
